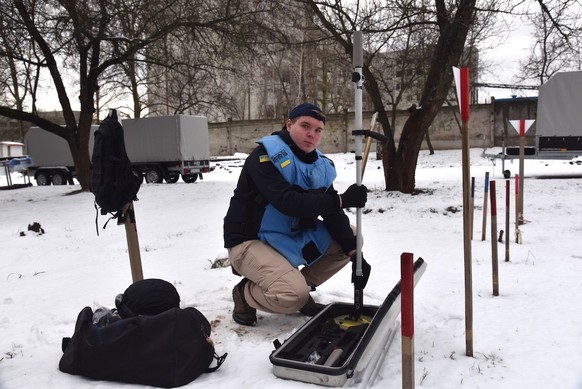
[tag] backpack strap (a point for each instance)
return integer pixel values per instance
(96, 216)
(119, 215)
(219, 361)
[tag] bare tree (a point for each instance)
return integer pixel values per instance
(19, 76)
(450, 22)
(292, 61)
(82, 39)
(558, 36)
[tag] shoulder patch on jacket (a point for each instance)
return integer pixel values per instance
(264, 158)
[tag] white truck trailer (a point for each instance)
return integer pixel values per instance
(159, 148)
(559, 117)
(558, 123)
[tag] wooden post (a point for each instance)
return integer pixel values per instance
(521, 126)
(132, 243)
(517, 231)
(368, 143)
(521, 168)
(463, 88)
(485, 202)
(407, 315)
(494, 254)
(507, 196)
(472, 204)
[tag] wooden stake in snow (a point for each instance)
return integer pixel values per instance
(517, 231)
(521, 127)
(407, 315)
(368, 143)
(494, 254)
(472, 203)
(462, 84)
(507, 196)
(132, 243)
(485, 202)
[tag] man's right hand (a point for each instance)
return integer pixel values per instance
(355, 196)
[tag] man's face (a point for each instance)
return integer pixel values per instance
(306, 132)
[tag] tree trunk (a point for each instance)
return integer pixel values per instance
(401, 171)
(79, 146)
(429, 143)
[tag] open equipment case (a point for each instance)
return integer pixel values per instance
(331, 349)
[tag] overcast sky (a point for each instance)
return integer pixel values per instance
(503, 59)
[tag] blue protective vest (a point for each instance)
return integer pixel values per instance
(299, 245)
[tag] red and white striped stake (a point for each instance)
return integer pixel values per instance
(407, 315)
(462, 83)
(494, 254)
(507, 196)
(463, 88)
(521, 126)
(485, 199)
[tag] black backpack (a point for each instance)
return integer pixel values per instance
(167, 350)
(112, 181)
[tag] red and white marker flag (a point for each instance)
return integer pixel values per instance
(462, 84)
(522, 125)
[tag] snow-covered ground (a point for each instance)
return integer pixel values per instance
(530, 336)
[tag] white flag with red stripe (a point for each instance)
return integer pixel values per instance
(462, 84)
(522, 125)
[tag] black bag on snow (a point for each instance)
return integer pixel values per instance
(112, 181)
(166, 350)
(147, 297)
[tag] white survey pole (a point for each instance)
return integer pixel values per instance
(358, 79)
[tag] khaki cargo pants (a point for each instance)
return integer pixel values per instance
(276, 286)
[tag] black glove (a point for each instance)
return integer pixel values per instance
(366, 269)
(355, 196)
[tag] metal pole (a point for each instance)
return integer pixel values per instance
(358, 79)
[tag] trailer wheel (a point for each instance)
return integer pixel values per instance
(43, 179)
(59, 178)
(506, 173)
(138, 174)
(172, 179)
(154, 176)
(189, 179)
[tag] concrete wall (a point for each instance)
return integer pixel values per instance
(232, 137)
(489, 126)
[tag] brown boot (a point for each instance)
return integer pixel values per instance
(242, 313)
(311, 308)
